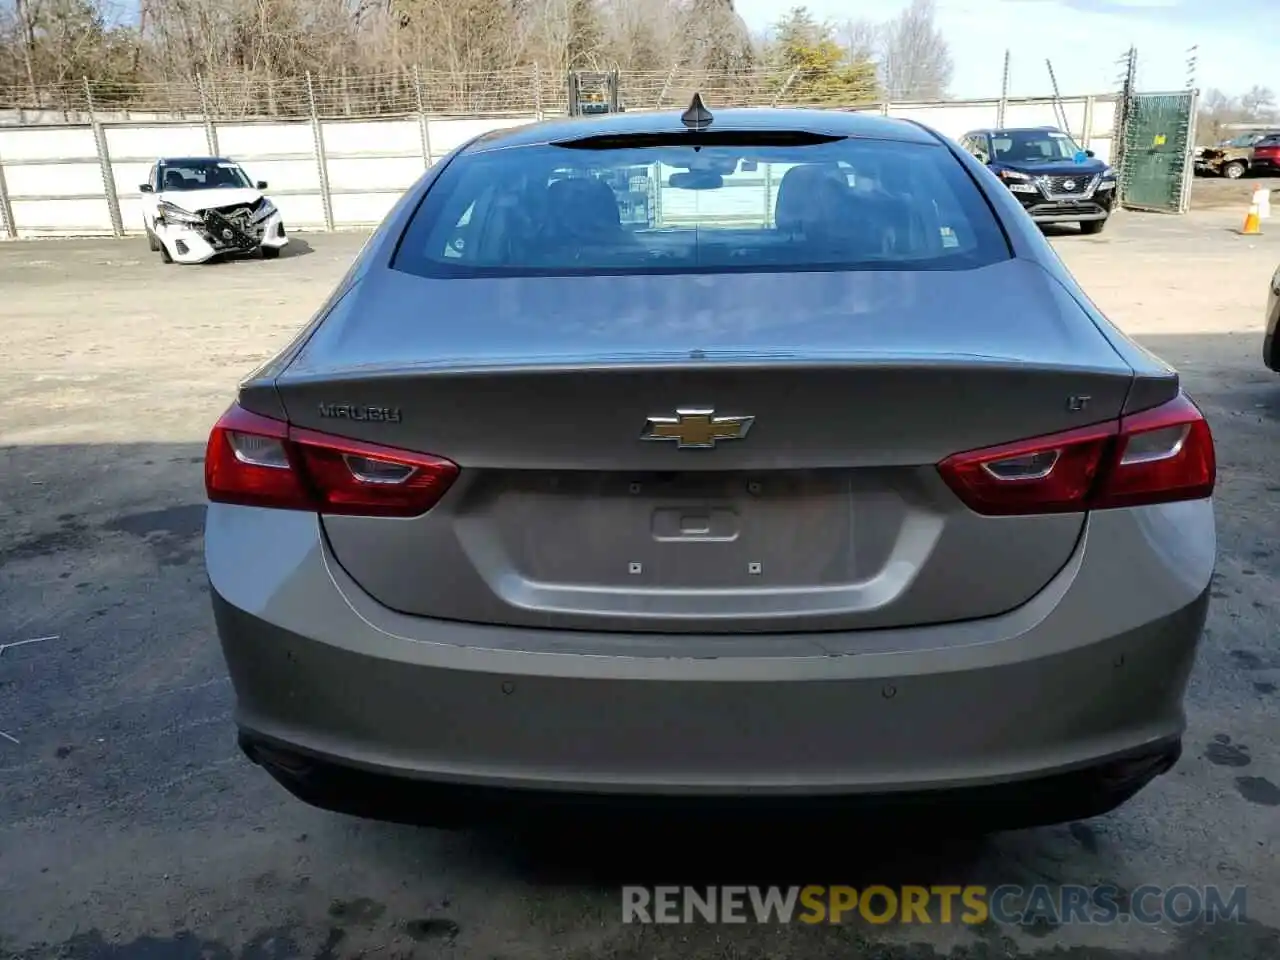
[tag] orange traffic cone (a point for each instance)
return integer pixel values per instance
(1253, 222)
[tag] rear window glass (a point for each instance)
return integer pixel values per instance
(840, 205)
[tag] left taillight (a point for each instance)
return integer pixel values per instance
(258, 461)
(1160, 455)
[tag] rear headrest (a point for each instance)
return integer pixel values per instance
(583, 206)
(808, 195)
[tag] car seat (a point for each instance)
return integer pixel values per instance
(581, 213)
(805, 196)
(817, 206)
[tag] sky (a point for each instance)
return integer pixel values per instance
(1239, 41)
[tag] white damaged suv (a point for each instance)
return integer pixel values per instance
(197, 208)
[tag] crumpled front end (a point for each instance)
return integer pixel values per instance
(237, 229)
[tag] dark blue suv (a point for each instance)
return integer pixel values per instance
(1054, 178)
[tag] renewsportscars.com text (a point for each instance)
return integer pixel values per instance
(1007, 904)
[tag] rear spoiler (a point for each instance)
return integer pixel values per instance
(699, 138)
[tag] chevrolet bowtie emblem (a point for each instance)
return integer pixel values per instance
(696, 428)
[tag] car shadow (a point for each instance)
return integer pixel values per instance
(1055, 230)
(294, 248)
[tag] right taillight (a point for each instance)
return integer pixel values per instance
(1157, 456)
(257, 461)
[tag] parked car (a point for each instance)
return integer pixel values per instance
(1231, 159)
(826, 484)
(197, 208)
(1054, 179)
(1271, 339)
(1266, 155)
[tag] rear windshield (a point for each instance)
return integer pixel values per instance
(839, 205)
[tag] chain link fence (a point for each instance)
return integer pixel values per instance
(400, 93)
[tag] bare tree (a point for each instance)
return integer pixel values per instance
(254, 56)
(863, 39)
(1219, 111)
(584, 34)
(714, 38)
(640, 34)
(1259, 103)
(27, 40)
(915, 58)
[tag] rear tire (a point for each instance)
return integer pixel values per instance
(270, 253)
(1234, 170)
(1092, 226)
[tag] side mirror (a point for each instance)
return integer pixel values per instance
(982, 157)
(1090, 154)
(146, 188)
(262, 184)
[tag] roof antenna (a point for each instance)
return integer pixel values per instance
(697, 117)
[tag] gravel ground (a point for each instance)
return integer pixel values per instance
(1209, 192)
(130, 828)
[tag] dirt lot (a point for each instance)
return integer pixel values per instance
(1209, 193)
(130, 828)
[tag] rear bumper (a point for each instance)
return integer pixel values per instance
(350, 696)
(1073, 795)
(353, 718)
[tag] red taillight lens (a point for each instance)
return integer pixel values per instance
(1161, 455)
(248, 461)
(260, 462)
(1156, 456)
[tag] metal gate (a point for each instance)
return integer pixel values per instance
(593, 92)
(1156, 164)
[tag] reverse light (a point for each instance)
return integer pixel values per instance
(1158, 456)
(258, 461)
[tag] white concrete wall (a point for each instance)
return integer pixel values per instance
(54, 178)
(54, 182)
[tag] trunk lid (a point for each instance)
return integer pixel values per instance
(827, 513)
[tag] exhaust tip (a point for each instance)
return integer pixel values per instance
(248, 748)
(273, 759)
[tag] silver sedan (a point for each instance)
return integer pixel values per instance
(769, 455)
